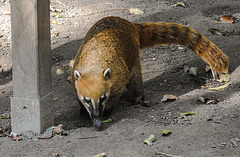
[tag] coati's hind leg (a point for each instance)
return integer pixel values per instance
(135, 87)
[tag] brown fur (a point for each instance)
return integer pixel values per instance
(115, 43)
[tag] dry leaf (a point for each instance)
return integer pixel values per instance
(15, 136)
(187, 113)
(100, 155)
(57, 129)
(56, 23)
(208, 101)
(220, 87)
(135, 11)
(60, 71)
(193, 71)
(224, 77)
(180, 4)
(168, 97)
(55, 34)
(226, 19)
(57, 15)
(107, 121)
(7, 13)
(149, 140)
(55, 10)
(165, 132)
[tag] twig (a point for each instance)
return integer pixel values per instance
(103, 11)
(83, 138)
(165, 155)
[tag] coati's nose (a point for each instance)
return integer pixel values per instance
(97, 124)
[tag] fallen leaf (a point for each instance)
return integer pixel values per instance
(168, 97)
(179, 4)
(55, 10)
(54, 22)
(135, 11)
(107, 121)
(234, 143)
(100, 155)
(226, 19)
(165, 132)
(220, 87)
(57, 15)
(55, 34)
(2, 117)
(193, 71)
(47, 134)
(187, 113)
(149, 140)
(215, 31)
(201, 99)
(57, 129)
(208, 101)
(60, 71)
(15, 136)
(7, 13)
(203, 87)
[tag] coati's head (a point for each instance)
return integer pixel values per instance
(93, 91)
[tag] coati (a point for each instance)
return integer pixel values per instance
(109, 60)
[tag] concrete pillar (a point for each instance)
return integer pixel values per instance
(31, 104)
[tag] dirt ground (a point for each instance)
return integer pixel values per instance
(215, 129)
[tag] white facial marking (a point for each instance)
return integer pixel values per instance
(87, 98)
(81, 97)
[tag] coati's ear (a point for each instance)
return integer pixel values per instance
(76, 74)
(107, 73)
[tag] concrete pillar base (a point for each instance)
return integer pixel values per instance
(25, 115)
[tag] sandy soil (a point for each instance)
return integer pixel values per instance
(213, 131)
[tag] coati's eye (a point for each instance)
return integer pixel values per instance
(88, 100)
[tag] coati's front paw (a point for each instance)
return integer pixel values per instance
(221, 77)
